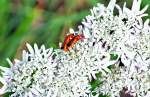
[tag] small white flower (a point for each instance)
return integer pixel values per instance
(32, 75)
(136, 83)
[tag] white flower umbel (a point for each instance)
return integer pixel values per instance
(136, 84)
(124, 33)
(127, 35)
(43, 73)
(32, 76)
(47, 73)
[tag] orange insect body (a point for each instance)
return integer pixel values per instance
(70, 41)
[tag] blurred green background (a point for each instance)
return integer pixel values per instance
(40, 21)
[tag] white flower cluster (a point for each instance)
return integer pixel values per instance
(33, 75)
(42, 73)
(55, 73)
(121, 79)
(128, 36)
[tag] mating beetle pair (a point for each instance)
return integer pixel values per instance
(71, 40)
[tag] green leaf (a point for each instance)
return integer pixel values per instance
(113, 56)
(7, 94)
(94, 84)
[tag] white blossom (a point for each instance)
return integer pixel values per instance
(127, 35)
(136, 83)
(56, 73)
(33, 75)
